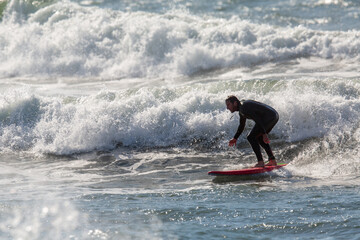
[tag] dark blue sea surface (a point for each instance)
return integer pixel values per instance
(112, 113)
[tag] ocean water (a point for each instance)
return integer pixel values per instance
(112, 113)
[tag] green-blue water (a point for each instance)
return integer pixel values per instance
(112, 113)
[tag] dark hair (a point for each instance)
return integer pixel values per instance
(232, 99)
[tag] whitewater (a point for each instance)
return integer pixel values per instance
(112, 113)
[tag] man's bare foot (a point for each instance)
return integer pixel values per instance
(271, 162)
(259, 164)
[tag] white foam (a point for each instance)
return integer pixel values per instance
(56, 220)
(176, 115)
(94, 42)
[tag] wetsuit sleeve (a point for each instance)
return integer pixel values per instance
(241, 127)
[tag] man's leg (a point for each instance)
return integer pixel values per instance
(272, 161)
(253, 140)
(266, 147)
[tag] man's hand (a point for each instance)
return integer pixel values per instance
(266, 138)
(232, 142)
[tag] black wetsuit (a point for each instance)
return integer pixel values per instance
(265, 118)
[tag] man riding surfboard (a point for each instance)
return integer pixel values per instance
(265, 118)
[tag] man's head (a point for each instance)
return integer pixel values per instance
(232, 103)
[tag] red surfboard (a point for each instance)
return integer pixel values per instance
(247, 171)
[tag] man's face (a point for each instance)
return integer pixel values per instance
(231, 106)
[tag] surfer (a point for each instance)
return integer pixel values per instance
(265, 118)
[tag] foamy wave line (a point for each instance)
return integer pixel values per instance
(175, 116)
(81, 41)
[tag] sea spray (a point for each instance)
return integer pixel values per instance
(177, 116)
(48, 219)
(84, 41)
